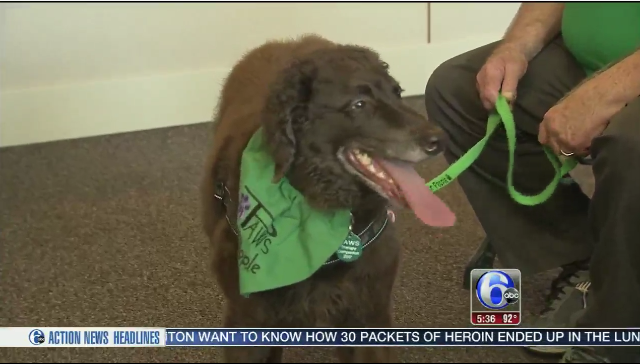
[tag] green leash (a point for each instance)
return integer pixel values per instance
(503, 114)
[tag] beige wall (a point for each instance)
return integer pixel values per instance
(75, 70)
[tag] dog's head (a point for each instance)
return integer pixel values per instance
(339, 130)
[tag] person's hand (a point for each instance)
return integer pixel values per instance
(569, 127)
(501, 72)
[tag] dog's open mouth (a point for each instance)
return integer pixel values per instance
(376, 174)
(398, 180)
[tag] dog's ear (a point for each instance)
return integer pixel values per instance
(286, 111)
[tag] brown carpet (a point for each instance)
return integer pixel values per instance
(105, 231)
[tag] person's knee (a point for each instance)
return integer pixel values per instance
(440, 81)
(449, 82)
(452, 101)
(451, 97)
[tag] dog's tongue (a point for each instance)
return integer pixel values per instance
(427, 206)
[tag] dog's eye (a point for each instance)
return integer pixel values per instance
(358, 105)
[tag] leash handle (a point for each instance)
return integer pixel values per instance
(503, 115)
(561, 168)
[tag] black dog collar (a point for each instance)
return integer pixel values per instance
(369, 234)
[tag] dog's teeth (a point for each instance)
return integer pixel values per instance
(381, 175)
(364, 158)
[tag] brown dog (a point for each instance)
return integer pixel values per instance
(338, 130)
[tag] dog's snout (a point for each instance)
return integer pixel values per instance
(433, 146)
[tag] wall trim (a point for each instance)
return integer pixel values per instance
(124, 105)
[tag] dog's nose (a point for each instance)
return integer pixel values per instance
(433, 146)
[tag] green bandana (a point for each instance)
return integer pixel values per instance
(282, 239)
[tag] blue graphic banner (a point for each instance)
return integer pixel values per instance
(402, 337)
(162, 337)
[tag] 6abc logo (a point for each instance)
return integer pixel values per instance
(36, 337)
(496, 289)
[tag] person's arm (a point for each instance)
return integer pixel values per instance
(616, 85)
(533, 27)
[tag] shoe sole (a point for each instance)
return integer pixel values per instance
(547, 350)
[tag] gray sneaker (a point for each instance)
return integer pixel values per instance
(567, 301)
(583, 355)
(602, 354)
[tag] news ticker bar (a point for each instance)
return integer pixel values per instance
(163, 337)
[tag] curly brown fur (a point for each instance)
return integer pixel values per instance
(302, 92)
